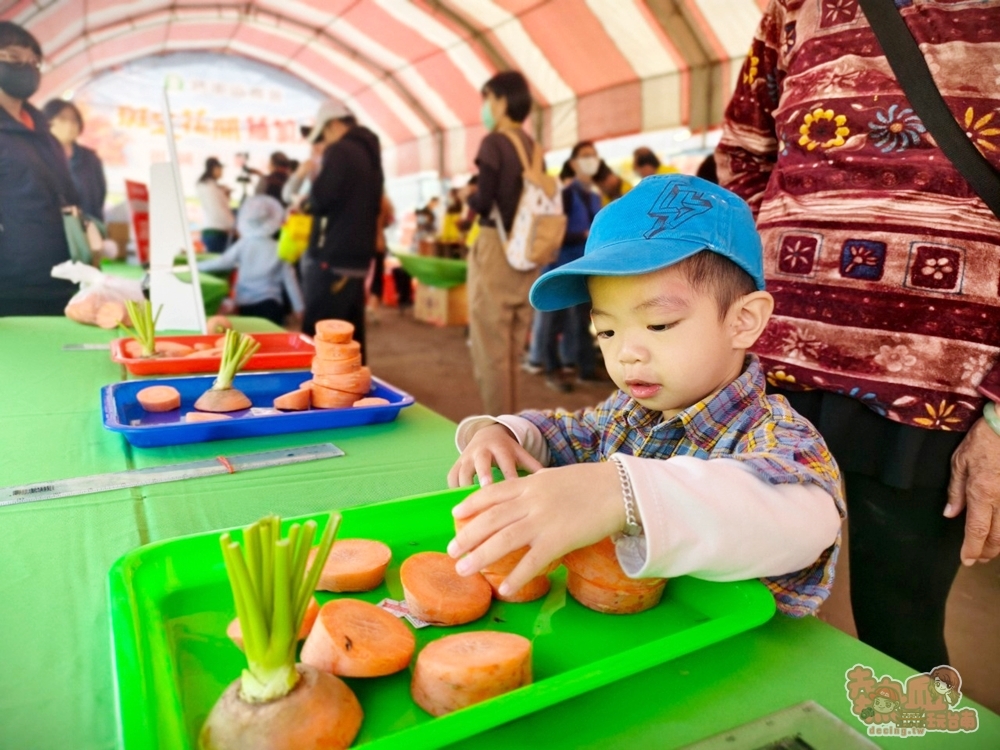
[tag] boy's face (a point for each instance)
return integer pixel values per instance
(664, 343)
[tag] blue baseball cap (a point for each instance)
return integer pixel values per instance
(661, 221)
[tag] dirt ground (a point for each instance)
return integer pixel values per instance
(434, 365)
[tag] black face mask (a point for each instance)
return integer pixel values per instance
(19, 80)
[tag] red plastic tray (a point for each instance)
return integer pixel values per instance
(278, 351)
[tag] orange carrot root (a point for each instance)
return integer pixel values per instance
(353, 638)
(359, 381)
(597, 581)
(158, 398)
(353, 565)
(329, 350)
(372, 401)
(536, 588)
(319, 712)
(295, 401)
(437, 594)
(335, 366)
(467, 668)
(330, 398)
(204, 416)
(224, 401)
(334, 331)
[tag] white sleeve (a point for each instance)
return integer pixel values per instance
(527, 434)
(717, 520)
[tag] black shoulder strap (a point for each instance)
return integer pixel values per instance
(910, 67)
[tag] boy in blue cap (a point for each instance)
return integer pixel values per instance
(690, 465)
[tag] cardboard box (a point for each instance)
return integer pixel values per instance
(441, 307)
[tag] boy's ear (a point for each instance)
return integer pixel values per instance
(748, 318)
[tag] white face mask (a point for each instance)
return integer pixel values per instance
(587, 165)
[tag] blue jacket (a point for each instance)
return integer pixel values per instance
(88, 178)
(580, 206)
(34, 185)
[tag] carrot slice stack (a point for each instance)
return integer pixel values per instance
(353, 638)
(334, 331)
(353, 565)
(466, 668)
(597, 581)
(435, 593)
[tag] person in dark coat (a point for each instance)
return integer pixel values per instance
(35, 184)
(85, 167)
(345, 202)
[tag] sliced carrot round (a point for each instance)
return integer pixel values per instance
(353, 565)
(329, 350)
(330, 398)
(334, 331)
(335, 366)
(157, 398)
(506, 564)
(534, 589)
(204, 416)
(235, 632)
(620, 600)
(173, 348)
(467, 668)
(598, 563)
(359, 381)
(133, 349)
(353, 638)
(295, 401)
(372, 401)
(437, 594)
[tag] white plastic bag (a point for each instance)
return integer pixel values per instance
(101, 299)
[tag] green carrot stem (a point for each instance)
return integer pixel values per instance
(312, 577)
(283, 630)
(251, 545)
(236, 352)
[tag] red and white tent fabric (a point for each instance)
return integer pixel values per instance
(413, 69)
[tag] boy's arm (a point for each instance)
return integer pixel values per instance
(555, 438)
(748, 150)
(291, 284)
(225, 262)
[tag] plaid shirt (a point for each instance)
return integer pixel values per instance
(740, 422)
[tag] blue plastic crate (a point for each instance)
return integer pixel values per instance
(122, 412)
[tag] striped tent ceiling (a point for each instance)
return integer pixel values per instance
(413, 69)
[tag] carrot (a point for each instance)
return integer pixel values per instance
(359, 381)
(597, 581)
(110, 314)
(467, 668)
(295, 401)
(204, 353)
(222, 396)
(319, 712)
(330, 398)
(330, 350)
(204, 416)
(353, 565)
(353, 638)
(203, 347)
(133, 349)
(335, 366)
(235, 632)
(435, 593)
(536, 588)
(172, 349)
(372, 401)
(159, 398)
(334, 331)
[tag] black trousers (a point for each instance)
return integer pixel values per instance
(330, 295)
(904, 554)
(269, 309)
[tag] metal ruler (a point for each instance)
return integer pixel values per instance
(31, 493)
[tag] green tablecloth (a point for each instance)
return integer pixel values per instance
(443, 273)
(213, 288)
(56, 678)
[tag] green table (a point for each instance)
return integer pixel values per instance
(214, 289)
(56, 683)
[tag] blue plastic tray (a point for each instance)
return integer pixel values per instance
(144, 429)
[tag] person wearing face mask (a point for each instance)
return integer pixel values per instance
(35, 184)
(580, 204)
(66, 124)
(499, 312)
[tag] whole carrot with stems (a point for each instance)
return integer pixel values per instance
(276, 703)
(143, 325)
(222, 396)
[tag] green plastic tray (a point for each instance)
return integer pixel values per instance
(170, 605)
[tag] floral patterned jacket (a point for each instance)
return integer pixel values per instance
(884, 264)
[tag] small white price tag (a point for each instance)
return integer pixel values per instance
(262, 411)
(400, 610)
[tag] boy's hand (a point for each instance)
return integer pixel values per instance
(490, 445)
(554, 512)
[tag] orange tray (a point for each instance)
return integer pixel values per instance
(278, 351)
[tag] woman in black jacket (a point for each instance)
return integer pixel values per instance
(34, 186)
(85, 166)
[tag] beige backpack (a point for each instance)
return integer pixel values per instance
(539, 223)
